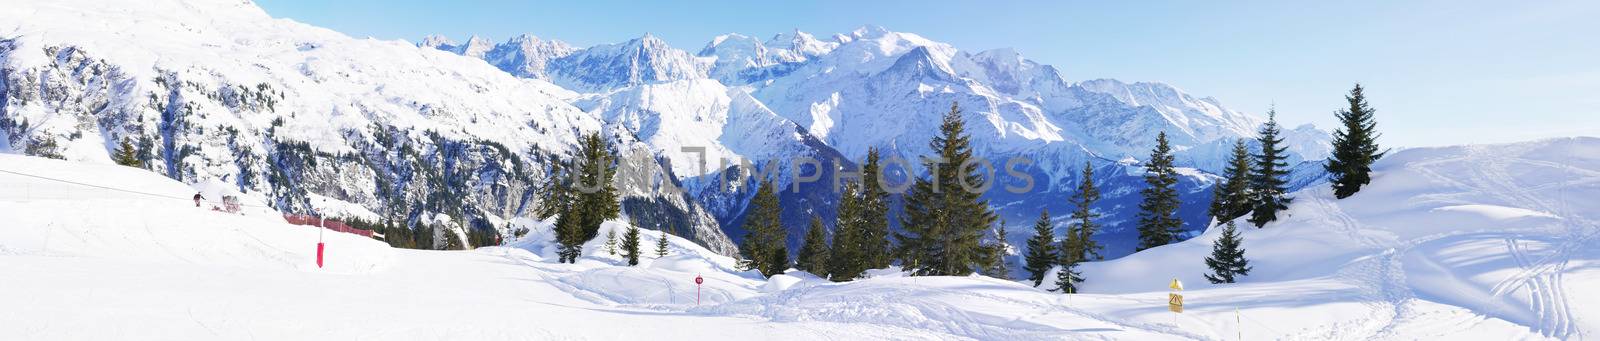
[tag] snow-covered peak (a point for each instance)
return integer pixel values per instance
(437, 42)
(801, 43)
(1203, 119)
(475, 46)
(527, 56)
(643, 60)
(869, 32)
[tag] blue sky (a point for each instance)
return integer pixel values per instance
(1439, 72)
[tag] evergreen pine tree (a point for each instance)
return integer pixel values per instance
(1227, 258)
(596, 198)
(580, 194)
(1041, 254)
(126, 155)
(1000, 269)
(1083, 215)
(1230, 199)
(845, 261)
(943, 223)
(630, 245)
(765, 244)
(1158, 220)
(1355, 146)
(611, 242)
(813, 256)
(874, 215)
(1068, 277)
(560, 202)
(661, 245)
(1269, 185)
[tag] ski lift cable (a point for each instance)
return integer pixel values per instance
(111, 188)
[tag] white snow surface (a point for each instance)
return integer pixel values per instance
(1477, 242)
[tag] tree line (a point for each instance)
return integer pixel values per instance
(950, 232)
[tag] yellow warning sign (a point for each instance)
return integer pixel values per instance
(1175, 303)
(1174, 300)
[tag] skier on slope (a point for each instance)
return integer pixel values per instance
(197, 199)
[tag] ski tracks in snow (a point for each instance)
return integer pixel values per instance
(1546, 294)
(1542, 277)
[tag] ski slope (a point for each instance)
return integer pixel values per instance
(1479, 242)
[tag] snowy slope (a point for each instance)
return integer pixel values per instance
(1480, 242)
(1445, 243)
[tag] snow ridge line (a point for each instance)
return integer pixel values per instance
(113, 188)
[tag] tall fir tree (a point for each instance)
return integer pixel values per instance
(846, 260)
(1230, 199)
(1041, 254)
(874, 217)
(1158, 219)
(1355, 146)
(1083, 216)
(813, 257)
(942, 223)
(597, 197)
(661, 245)
(1269, 181)
(127, 155)
(766, 241)
(1227, 257)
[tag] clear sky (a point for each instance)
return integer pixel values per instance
(1438, 72)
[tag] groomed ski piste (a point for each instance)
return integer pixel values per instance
(1494, 242)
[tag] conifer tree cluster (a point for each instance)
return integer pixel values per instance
(765, 247)
(861, 233)
(580, 195)
(1355, 146)
(1230, 199)
(1158, 221)
(1269, 183)
(943, 224)
(1227, 257)
(813, 255)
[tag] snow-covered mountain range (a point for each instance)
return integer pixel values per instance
(875, 88)
(213, 89)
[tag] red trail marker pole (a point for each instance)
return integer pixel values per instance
(697, 281)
